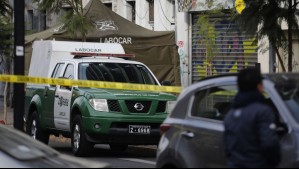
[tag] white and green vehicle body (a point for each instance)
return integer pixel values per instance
(92, 116)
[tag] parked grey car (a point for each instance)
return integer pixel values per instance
(17, 150)
(192, 135)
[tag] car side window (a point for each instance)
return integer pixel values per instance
(69, 72)
(213, 103)
(57, 70)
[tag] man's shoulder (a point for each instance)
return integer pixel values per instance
(261, 109)
(260, 104)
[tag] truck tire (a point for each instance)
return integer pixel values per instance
(33, 129)
(80, 145)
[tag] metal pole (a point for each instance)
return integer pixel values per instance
(19, 36)
(258, 67)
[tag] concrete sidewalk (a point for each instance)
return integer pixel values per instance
(57, 141)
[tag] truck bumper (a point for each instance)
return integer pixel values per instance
(112, 131)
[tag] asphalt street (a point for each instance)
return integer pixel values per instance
(134, 157)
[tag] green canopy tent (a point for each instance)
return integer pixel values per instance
(156, 49)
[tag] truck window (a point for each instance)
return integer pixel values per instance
(116, 72)
(57, 70)
(69, 72)
(93, 72)
(147, 77)
(134, 75)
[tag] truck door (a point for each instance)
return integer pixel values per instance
(49, 98)
(202, 134)
(62, 103)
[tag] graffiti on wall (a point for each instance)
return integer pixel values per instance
(234, 51)
(183, 60)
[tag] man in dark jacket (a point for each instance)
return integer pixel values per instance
(250, 134)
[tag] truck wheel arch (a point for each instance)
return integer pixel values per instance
(77, 107)
(34, 105)
(75, 111)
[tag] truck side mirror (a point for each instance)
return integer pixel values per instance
(166, 83)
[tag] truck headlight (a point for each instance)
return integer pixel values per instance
(99, 105)
(170, 106)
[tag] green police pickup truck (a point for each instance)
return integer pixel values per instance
(92, 116)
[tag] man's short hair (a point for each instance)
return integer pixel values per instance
(248, 79)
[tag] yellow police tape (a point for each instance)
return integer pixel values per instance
(88, 83)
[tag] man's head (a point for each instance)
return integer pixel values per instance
(250, 80)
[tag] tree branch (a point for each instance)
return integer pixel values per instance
(280, 59)
(71, 3)
(295, 4)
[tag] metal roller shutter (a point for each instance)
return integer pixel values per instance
(234, 50)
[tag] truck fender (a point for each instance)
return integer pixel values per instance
(35, 104)
(79, 107)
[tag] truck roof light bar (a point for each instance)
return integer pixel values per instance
(80, 55)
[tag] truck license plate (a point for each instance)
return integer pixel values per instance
(134, 129)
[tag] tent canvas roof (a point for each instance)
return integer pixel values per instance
(157, 49)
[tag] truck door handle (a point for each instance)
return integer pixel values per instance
(187, 134)
(57, 96)
(46, 91)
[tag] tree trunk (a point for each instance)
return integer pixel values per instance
(280, 59)
(209, 69)
(290, 37)
(83, 37)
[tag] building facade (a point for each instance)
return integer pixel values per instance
(233, 49)
(158, 15)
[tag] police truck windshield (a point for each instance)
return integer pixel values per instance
(116, 72)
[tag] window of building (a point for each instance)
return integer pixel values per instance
(109, 5)
(44, 20)
(133, 5)
(173, 11)
(151, 7)
(30, 20)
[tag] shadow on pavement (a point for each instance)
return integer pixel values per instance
(104, 151)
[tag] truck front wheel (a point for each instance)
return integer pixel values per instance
(80, 145)
(33, 129)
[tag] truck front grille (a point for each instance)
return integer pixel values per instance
(139, 106)
(113, 106)
(161, 107)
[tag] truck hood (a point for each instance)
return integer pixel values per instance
(127, 94)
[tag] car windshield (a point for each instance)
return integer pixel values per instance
(287, 86)
(116, 72)
(22, 147)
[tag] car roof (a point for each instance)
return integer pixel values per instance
(217, 76)
(27, 152)
(269, 76)
(283, 77)
(273, 77)
(31, 149)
